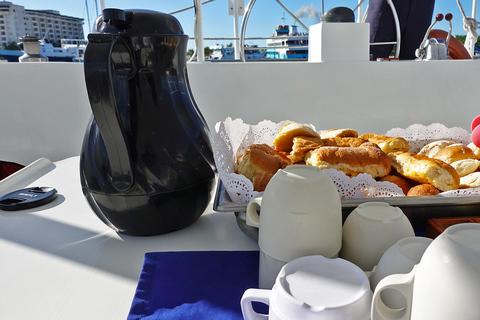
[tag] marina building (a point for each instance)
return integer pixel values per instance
(16, 22)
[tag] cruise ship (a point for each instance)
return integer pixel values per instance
(287, 43)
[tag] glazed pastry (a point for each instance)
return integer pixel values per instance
(284, 140)
(425, 170)
(301, 145)
(387, 144)
(368, 158)
(332, 133)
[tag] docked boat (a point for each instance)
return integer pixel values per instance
(76, 47)
(287, 43)
(220, 52)
(10, 55)
(61, 261)
(71, 50)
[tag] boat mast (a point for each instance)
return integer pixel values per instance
(96, 7)
(88, 18)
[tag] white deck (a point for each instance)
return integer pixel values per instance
(61, 262)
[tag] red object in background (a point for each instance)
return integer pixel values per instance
(7, 168)
(475, 122)
(456, 50)
(476, 136)
(476, 131)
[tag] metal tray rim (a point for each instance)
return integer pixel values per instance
(223, 204)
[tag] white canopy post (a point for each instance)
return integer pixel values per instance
(199, 31)
(236, 8)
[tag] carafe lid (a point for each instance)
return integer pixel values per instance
(135, 22)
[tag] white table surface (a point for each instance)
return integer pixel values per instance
(59, 261)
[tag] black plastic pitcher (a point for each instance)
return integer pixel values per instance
(146, 164)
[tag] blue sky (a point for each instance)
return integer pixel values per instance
(266, 14)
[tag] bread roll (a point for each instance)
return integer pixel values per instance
(471, 180)
(284, 140)
(454, 152)
(339, 133)
(423, 190)
(423, 169)
(475, 149)
(465, 166)
(399, 181)
(261, 180)
(302, 145)
(387, 144)
(343, 142)
(368, 158)
(260, 158)
(430, 149)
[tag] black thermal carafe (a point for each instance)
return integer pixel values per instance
(146, 163)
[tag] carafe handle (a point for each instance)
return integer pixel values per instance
(98, 78)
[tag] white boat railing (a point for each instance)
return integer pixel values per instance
(240, 41)
(470, 25)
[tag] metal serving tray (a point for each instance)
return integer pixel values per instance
(417, 209)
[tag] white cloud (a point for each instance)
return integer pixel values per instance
(310, 12)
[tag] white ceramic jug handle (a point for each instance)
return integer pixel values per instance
(403, 284)
(254, 295)
(253, 219)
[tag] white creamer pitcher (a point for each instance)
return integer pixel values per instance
(313, 288)
(444, 285)
(300, 215)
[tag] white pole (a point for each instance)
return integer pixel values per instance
(360, 11)
(199, 31)
(474, 9)
(471, 45)
(236, 31)
(102, 5)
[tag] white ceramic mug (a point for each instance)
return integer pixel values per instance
(444, 285)
(300, 215)
(370, 230)
(400, 258)
(313, 287)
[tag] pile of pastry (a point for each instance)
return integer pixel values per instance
(439, 166)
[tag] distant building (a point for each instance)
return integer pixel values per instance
(16, 22)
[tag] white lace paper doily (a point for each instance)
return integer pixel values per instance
(233, 136)
(419, 135)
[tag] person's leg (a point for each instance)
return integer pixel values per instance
(382, 27)
(416, 24)
(382, 24)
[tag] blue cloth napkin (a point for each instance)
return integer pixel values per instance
(194, 285)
